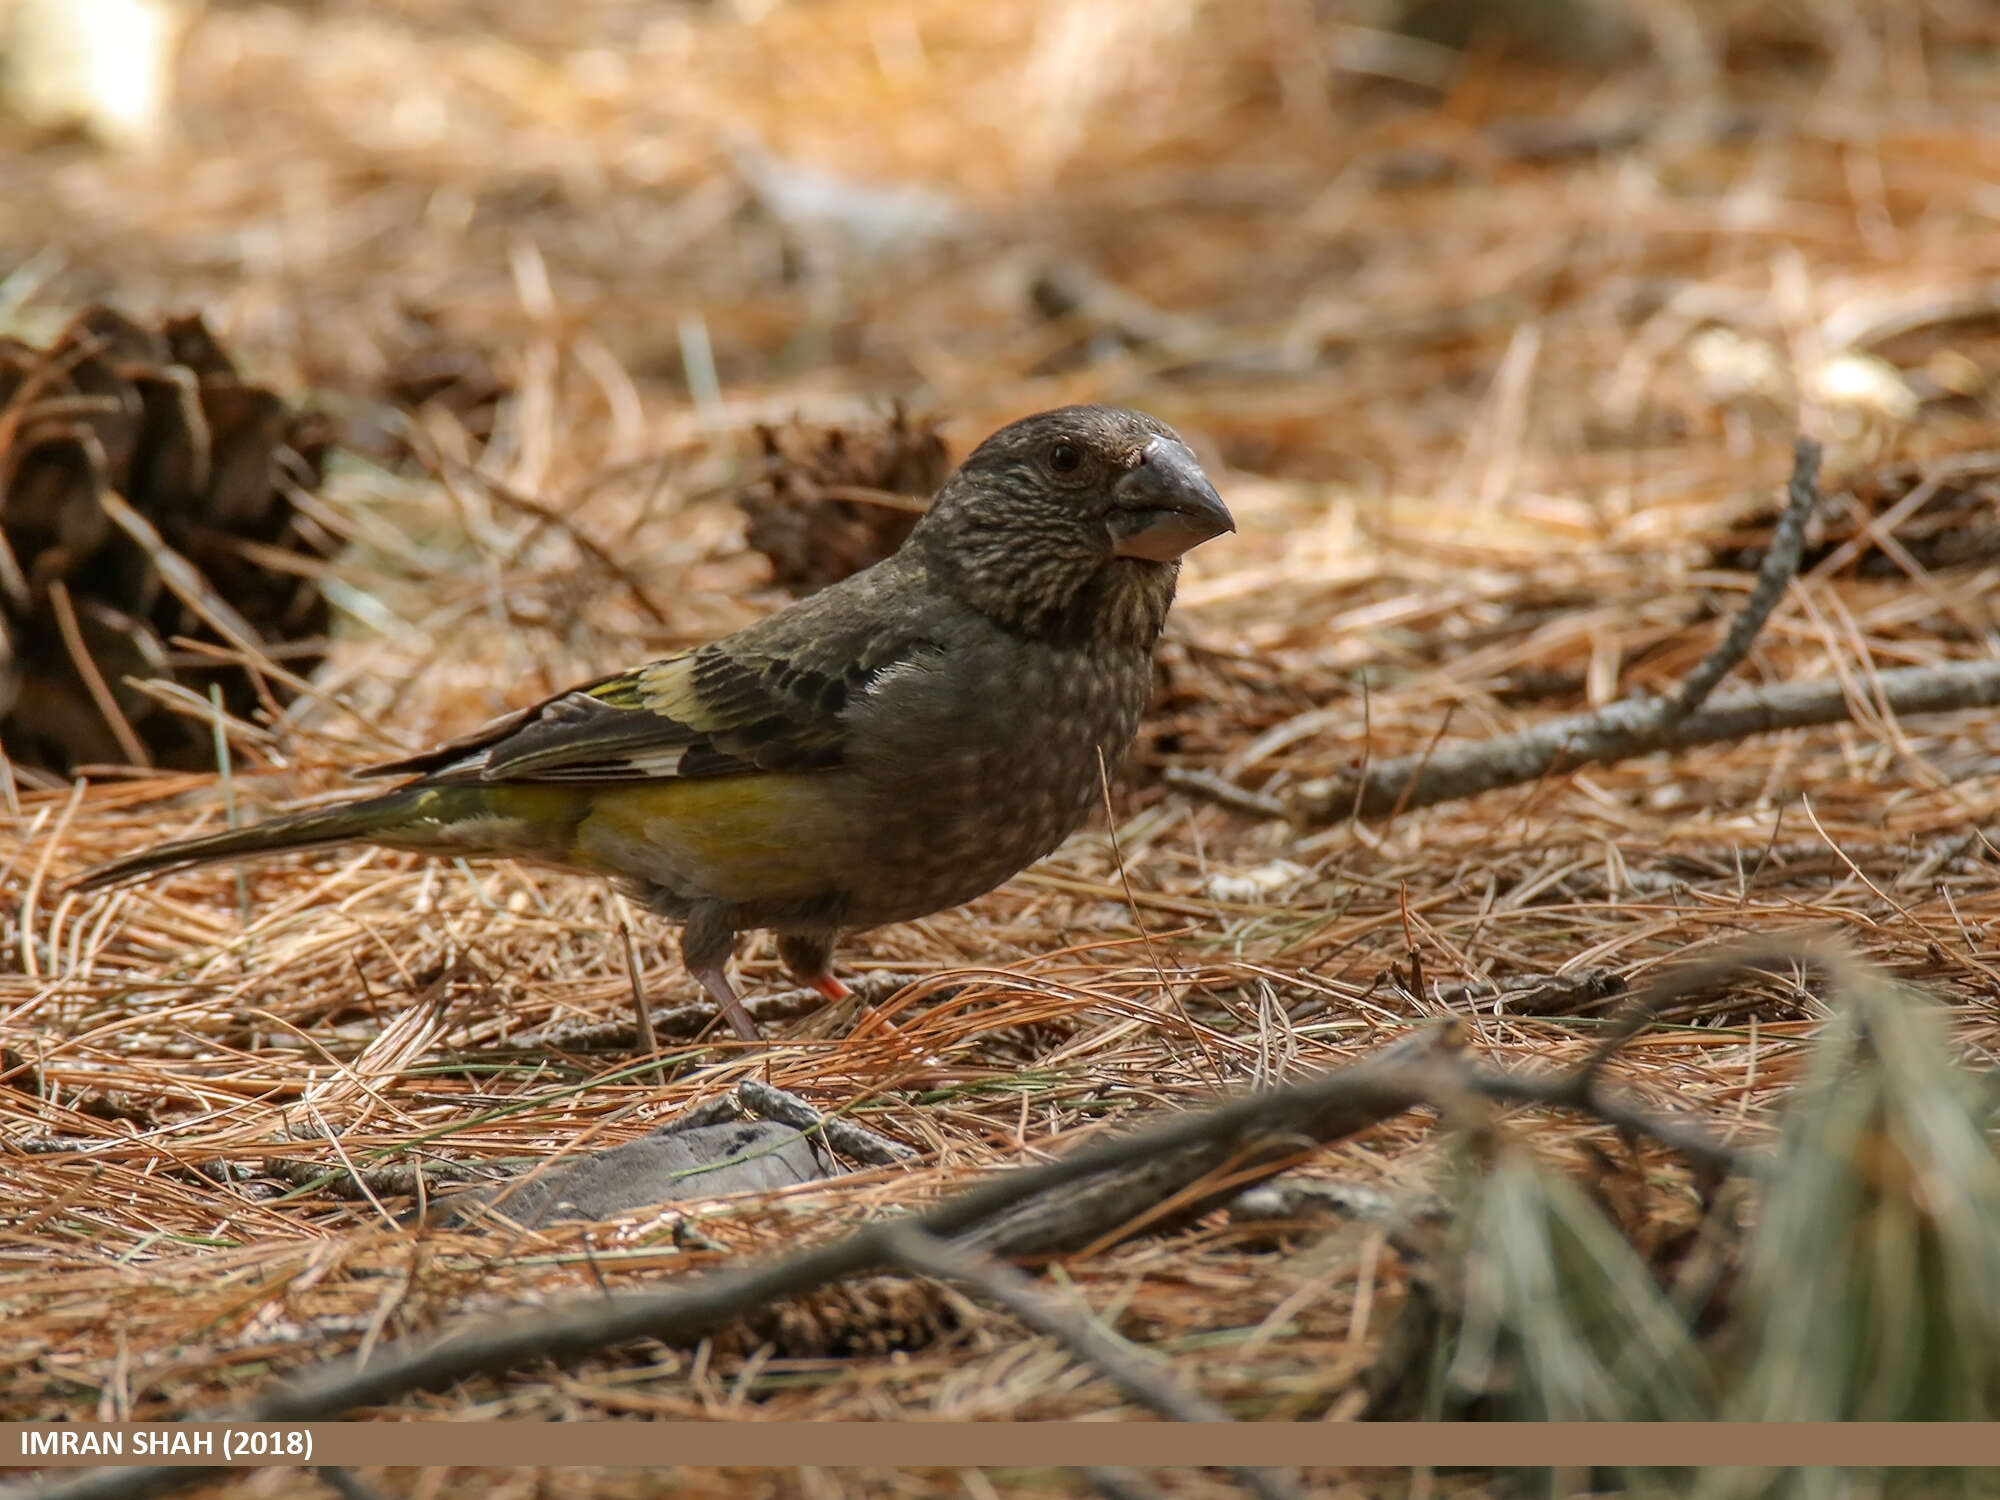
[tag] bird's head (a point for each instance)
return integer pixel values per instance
(1072, 520)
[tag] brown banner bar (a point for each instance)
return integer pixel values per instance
(999, 1444)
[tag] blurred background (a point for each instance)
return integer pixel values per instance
(1535, 271)
(1317, 224)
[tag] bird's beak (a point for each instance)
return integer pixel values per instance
(1164, 505)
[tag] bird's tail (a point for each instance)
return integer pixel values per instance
(455, 819)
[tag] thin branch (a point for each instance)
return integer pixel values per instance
(1780, 565)
(1197, 1161)
(1584, 1093)
(998, 1216)
(1623, 730)
(1220, 790)
(363, 1184)
(1131, 1371)
(1535, 994)
(851, 1140)
(642, 1010)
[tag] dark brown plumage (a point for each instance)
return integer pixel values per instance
(898, 743)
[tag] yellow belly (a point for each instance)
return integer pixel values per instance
(737, 838)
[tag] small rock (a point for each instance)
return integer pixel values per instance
(704, 1161)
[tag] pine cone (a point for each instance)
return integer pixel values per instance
(830, 502)
(146, 492)
(872, 1316)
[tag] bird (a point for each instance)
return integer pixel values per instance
(897, 744)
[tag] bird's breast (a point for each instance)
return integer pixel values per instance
(981, 770)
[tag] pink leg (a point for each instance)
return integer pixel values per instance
(716, 982)
(828, 986)
(822, 980)
(707, 940)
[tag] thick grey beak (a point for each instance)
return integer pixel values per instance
(1165, 505)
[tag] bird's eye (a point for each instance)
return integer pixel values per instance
(1065, 458)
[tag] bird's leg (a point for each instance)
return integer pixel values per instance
(707, 940)
(808, 958)
(723, 993)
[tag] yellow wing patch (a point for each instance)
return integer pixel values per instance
(667, 687)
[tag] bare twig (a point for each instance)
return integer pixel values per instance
(1098, 1347)
(1535, 994)
(642, 1010)
(1584, 1093)
(843, 1135)
(365, 1183)
(1227, 793)
(1726, 961)
(1623, 730)
(1195, 1168)
(1781, 562)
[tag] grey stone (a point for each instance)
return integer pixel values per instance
(703, 1161)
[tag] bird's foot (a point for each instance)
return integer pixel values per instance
(828, 986)
(868, 1017)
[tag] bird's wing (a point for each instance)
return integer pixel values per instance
(724, 709)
